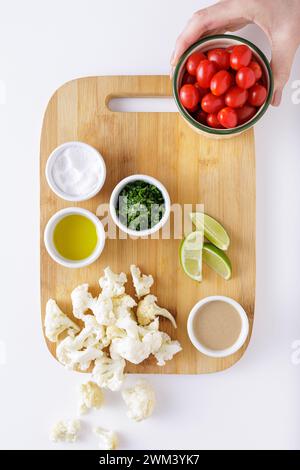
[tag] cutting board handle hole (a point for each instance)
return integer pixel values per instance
(145, 104)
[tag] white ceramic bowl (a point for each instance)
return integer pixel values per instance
(239, 342)
(90, 151)
(50, 247)
(114, 199)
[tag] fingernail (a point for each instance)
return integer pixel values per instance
(277, 98)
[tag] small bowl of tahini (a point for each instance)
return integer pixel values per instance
(140, 205)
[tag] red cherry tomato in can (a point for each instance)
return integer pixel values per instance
(220, 83)
(245, 78)
(213, 121)
(221, 57)
(228, 118)
(256, 69)
(211, 104)
(257, 95)
(240, 57)
(236, 97)
(193, 62)
(205, 72)
(189, 96)
(245, 113)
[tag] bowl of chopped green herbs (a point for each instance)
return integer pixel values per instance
(140, 205)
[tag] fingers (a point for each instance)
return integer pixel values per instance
(282, 61)
(223, 16)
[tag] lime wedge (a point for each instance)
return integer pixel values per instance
(190, 253)
(213, 230)
(217, 260)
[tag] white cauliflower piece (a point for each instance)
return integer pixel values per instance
(112, 284)
(139, 342)
(95, 334)
(142, 283)
(72, 353)
(147, 310)
(167, 350)
(103, 310)
(123, 305)
(91, 396)
(131, 349)
(140, 400)
(109, 372)
(56, 322)
(82, 300)
(108, 439)
(65, 431)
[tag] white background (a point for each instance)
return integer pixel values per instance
(253, 405)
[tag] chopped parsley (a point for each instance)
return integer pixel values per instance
(140, 205)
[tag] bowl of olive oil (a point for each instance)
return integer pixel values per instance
(74, 237)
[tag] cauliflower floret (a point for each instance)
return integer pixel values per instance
(91, 396)
(123, 305)
(109, 372)
(139, 342)
(56, 322)
(167, 350)
(103, 310)
(95, 333)
(147, 310)
(72, 353)
(141, 282)
(108, 439)
(131, 349)
(82, 300)
(140, 400)
(65, 431)
(112, 284)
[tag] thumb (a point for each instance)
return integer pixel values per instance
(282, 61)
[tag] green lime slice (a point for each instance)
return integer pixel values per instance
(190, 253)
(217, 260)
(213, 230)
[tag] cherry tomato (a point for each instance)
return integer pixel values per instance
(189, 96)
(205, 72)
(256, 69)
(193, 62)
(229, 49)
(257, 95)
(228, 118)
(245, 113)
(245, 78)
(213, 121)
(188, 79)
(211, 104)
(221, 57)
(201, 116)
(240, 57)
(236, 97)
(220, 83)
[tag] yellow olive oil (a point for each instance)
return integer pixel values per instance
(75, 237)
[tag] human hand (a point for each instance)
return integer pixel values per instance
(279, 19)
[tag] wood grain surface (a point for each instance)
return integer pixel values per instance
(196, 170)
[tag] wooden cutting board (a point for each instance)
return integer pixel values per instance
(217, 173)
